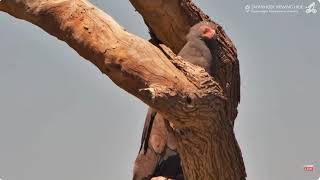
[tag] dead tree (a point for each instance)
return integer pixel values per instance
(202, 107)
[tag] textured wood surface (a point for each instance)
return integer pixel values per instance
(200, 108)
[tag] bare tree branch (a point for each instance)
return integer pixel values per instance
(170, 20)
(128, 60)
(186, 95)
(2, 5)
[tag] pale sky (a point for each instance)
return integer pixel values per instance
(61, 119)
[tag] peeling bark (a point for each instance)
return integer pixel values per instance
(198, 106)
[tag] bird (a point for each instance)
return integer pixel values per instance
(158, 155)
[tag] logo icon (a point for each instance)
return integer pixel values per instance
(247, 8)
(311, 8)
(308, 168)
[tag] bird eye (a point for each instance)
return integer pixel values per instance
(208, 32)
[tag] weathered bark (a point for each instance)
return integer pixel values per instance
(170, 20)
(197, 105)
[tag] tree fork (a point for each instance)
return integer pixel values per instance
(194, 102)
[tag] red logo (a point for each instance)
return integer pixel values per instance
(308, 167)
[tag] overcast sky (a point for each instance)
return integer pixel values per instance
(60, 118)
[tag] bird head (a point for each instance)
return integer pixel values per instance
(205, 31)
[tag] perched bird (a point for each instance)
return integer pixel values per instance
(158, 154)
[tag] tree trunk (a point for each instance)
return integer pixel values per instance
(199, 107)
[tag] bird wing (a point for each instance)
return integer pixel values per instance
(158, 155)
(147, 129)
